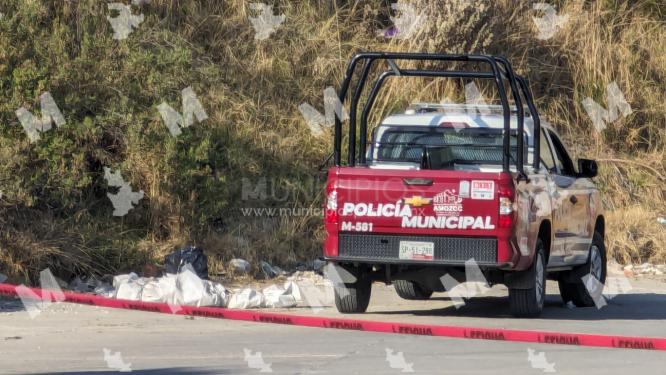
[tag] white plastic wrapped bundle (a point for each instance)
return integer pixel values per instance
(246, 299)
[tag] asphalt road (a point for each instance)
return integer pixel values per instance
(71, 339)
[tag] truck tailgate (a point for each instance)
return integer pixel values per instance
(414, 214)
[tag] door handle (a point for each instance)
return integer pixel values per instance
(573, 199)
(417, 181)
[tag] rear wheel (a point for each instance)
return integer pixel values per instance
(353, 298)
(410, 290)
(528, 303)
(573, 288)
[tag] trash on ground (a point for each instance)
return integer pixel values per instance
(247, 298)
(318, 265)
(129, 286)
(240, 266)
(281, 296)
(2, 278)
(90, 284)
(271, 271)
(570, 305)
(188, 255)
(648, 269)
(161, 290)
(661, 220)
(185, 288)
(191, 290)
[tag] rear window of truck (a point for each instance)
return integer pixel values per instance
(445, 146)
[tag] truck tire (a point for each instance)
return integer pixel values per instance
(410, 290)
(528, 303)
(353, 298)
(576, 291)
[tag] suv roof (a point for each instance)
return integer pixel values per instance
(474, 116)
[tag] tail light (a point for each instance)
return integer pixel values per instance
(331, 205)
(506, 197)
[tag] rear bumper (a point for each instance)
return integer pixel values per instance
(419, 263)
(380, 248)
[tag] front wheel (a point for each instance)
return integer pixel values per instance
(528, 303)
(572, 288)
(353, 298)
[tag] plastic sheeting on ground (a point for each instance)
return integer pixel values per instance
(186, 288)
(247, 298)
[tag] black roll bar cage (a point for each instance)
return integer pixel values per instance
(500, 69)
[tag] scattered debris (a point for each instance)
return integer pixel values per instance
(186, 288)
(191, 255)
(318, 265)
(644, 269)
(105, 290)
(397, 361)
(310, 276)
(256, 361)
(240, 266)
(91, 284)
(661, 220)
(115, 361)
(306, 288)
(271, 271)
(2, 278)
(539, 361)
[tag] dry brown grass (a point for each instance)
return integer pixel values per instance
(635, 236)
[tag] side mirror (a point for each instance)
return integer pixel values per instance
(587, 168)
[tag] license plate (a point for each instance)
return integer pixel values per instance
(414, 250)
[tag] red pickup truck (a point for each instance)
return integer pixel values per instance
(444, 185)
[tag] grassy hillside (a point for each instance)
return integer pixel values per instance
(54, 210)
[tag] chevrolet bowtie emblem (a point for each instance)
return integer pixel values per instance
(417, 201)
